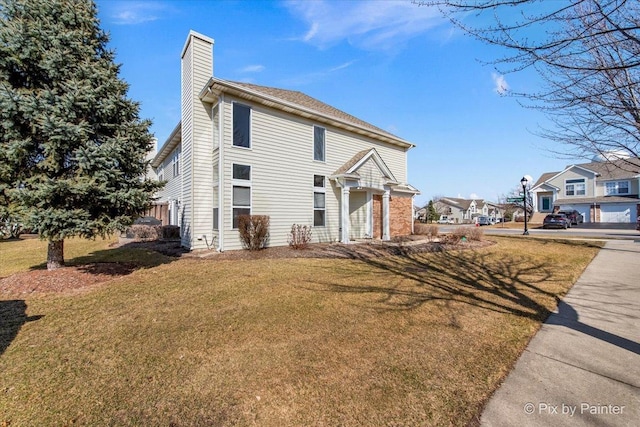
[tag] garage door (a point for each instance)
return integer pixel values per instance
(583, 209)
(624, 212)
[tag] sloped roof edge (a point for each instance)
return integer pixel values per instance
(330, 116)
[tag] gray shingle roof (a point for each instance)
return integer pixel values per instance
(617, 169)
(303, 100)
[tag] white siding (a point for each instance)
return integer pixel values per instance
(574, 173)
(197, 144)
(281, 157)
(370, 175)
(173, 187)
(357, 214)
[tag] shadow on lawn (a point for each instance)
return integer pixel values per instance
(125, 259)
(13, 314)
(470, 277)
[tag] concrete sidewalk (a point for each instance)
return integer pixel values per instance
(583, 367)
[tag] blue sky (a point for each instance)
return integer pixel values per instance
(398, 66)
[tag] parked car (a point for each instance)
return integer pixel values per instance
(483, 220)
(556, 221)
(574, 216)
(445, 220)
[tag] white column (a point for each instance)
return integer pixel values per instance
(385, 216)
(345, 215)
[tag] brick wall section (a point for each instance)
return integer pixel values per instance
(400, 211)
(400, 215)
(377, 216)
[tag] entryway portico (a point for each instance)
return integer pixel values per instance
(366, 184)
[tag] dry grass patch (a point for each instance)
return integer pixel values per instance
(415, 339)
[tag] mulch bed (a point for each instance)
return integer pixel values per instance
(78, 278)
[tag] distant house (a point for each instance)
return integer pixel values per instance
(243, 149)
(605, 191)
(465, 211)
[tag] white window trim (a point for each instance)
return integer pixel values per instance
(323, 190)
(617, 188)
(583, 181)
(176, 163)
(241, 183)
(313, 144)
(250, 147)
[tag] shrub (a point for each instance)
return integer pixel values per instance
(300, 236)
(144, 232)
(476, 234)
(469, 233)
(254, 231)
(458, 233)
(432, 232)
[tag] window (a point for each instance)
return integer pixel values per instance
(575, 187)
(176, 164)
(241, 203)
(241, 192)
(241, 172)
(318, 143)
(216, 195)
(319, 209)
(616, 187)
(241, 125)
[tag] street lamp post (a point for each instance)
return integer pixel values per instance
(524, 181)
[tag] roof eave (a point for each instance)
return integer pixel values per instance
(169, 145)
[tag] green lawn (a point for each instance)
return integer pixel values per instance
(413, 340)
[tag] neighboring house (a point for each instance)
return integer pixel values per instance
(242, 149)
(605, 191)
(465, 211)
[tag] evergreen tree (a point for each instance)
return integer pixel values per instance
(72, 145)
(432, 213)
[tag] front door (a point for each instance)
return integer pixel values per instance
(546, 204)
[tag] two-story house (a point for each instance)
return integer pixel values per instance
(244, 149)
(604, 191)
(466, 210)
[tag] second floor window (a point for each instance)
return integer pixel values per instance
(318, 143)
(241, 126)
(575, 187)
(616, 187)
(176, 164)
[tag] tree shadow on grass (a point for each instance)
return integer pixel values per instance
(13, 314)
(470, 277)
(125, 259)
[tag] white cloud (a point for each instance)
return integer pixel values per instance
(500, 84)
(369, 25)
(137, 12)
(253, 69)
(342, 66)
(305, 79)
(473, 196)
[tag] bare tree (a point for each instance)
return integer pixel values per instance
(587, 53)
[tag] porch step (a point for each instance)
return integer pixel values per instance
(537, 217)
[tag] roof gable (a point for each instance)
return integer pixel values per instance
(353, 165)
(607, 170)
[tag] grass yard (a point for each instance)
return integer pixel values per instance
(421, 339)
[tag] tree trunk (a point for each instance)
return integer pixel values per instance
(55, 254)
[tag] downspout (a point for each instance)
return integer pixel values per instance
(220, 174)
